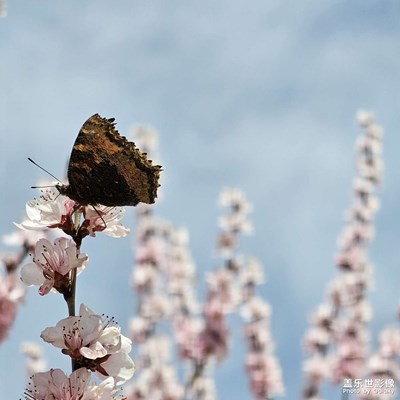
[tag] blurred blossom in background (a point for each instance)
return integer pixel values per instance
(258, 96)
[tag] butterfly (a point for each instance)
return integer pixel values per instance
(105, 168)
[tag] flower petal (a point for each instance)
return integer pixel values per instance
(120, 366)
(31, 274)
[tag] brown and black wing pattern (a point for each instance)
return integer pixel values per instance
(105, 168)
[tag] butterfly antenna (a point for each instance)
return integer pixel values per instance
(47, 172)
(98, 213)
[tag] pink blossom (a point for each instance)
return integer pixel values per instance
(156, 381)
(180, 271)
(369, 143)
(155, 307)
(323, 315)
(235, 222)
(262, 366)
(235, 198)
(104, 219)
(11, 293)
(364, 118)
(256, 309)
(316, 338)
(52, 265)
(140, 328)
(213, 339)
(138, 390)
(380, 365)
(265, 375)
(94, 344)
(34, 358)
(24, 238)
(375, 131)
(158, 348)
(51, 210)
(317, 368)
(144, 277)
(150, 251)
(252, 274)
(222, 290)
(55, 385)
(157, 378)
(351, 351)
(389, 342)
(203, 388)
(187, 333)
(226, 241)
(146, 138)
(344, 324)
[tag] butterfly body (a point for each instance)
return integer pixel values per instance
(105, 168)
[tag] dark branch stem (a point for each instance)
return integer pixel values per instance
(71, 295)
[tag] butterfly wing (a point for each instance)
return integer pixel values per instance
(105, 168)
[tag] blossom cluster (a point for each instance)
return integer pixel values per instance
(12, 292)
(157, 377)
(202, 339)
(55, 384)
(338, 341)
(261, 365)
(164, 267)
(53, 210)
(164, 278)
(94, 345)
(34, 358)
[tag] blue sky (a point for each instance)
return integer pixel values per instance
(260, 95)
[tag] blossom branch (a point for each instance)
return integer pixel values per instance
(11, 290)
(261, 365)
(150, 276)
(337, 341)
(92, 343)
